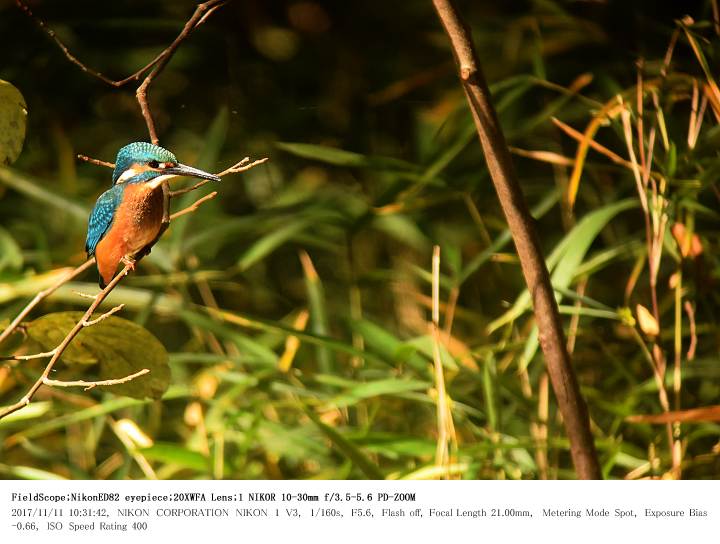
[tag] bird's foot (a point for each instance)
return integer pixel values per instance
(129, 262)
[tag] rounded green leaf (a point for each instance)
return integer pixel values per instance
(120, 348)
(13, 117)
(10, 252)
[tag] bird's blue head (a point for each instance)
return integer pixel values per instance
(142, 161)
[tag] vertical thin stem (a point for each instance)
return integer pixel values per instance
(521, 224)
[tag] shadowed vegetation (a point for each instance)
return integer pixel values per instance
(295, 309)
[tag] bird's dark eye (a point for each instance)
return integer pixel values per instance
(153, 164)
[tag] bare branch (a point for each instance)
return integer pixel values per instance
(64, 344)
(97, 162)
(241, 166)
(194, 206)
(92, 385)
(198, 17)
(104, 316)
(72, 58)
(28, 357)
(42, 295)
(155, 66)
(186, 190)
(84, 295)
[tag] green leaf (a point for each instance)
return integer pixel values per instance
(395, 446)
(545, 205)
(403, 229)
(388, 346)
(44, 427)
(294, 444)
(390, 386)
(340, 157)
(489, 382)
(347, 448)
(119, 346)
(176, 455)
(28, 473)
(270, 242)
(10, 252)
(36, 189)
(318, 312)
(568, 255)
(31, 411)
(13, 119)
(214, 140)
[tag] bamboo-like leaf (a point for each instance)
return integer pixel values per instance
(271, 241)
(363, 391)
(175, 454)
(28, 473)
(37, 190)
(544, 206)
(102, 409)
(214, 140)
(609, 110)
(568, 255)
(340, 157)
(347, 448)
(388, 345)
(318, 310)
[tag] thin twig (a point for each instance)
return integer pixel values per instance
(28, 357)
(97, 162)
(639, 117)
(445, 427)
(81, 324)
(552, 340)
(693, 333)
(186, 190)
(42, 295)
(155, 66)
(194, 206)
(578, 136)
(92, 385)
(241, 166)
(198, 17)
(104, 316)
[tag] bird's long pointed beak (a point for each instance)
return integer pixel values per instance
(184, 170)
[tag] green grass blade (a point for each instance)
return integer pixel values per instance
(347, 448)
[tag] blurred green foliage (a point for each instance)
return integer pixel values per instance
(295, 307)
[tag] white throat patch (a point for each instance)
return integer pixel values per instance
(127, 174)
(158, 181)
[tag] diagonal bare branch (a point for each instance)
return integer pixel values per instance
(152, 68)
(92, 385)
(552, 339)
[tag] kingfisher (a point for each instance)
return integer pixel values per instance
(128, 218)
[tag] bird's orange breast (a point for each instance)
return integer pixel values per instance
(136, 224)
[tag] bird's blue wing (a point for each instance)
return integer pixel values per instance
(102, 217)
